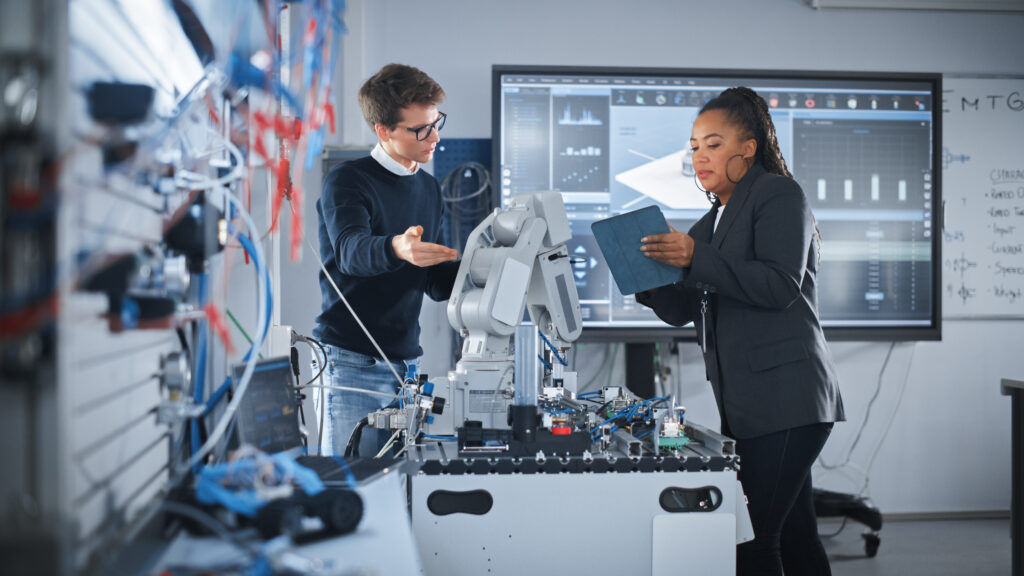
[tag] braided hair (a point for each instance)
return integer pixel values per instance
(748, 110)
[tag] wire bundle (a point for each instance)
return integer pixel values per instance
(636, 415)
(466, 209)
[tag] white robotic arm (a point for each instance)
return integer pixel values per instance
(515, 260)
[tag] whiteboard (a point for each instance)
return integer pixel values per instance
(982, 164)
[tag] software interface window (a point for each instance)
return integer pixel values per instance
(861, 150)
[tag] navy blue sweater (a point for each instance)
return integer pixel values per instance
(362, 207)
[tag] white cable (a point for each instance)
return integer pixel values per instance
(350, 389)
(262, 322)
(323, 409)
(235, 174)
(260, 262)
(401, 382)
(389, 444)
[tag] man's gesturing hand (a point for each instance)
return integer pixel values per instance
(410, 248)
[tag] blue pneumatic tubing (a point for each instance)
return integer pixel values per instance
(251, 250)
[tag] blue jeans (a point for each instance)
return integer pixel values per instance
(345, 409)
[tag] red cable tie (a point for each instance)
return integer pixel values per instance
(259, 148)
(281, 127)
(219, 327)
(329, 112)
(284, 186)
(287, 129)
(262, 122)
(212, 109)
(310, 36)
(27, 318)
(316, 118)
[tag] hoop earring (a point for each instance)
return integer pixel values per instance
(711, 195)
(729, 178)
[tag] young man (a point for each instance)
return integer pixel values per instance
(380, 226)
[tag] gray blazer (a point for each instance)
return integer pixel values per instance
(765, 352)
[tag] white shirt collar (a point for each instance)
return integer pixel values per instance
(392, 165)
(718, 217)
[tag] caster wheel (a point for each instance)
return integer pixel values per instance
(871, 543)
(340, 510)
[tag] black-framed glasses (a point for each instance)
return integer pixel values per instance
(423, 132)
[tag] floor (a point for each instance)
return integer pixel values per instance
(923, 547)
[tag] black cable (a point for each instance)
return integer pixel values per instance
(352, 449)
(209, 522)
(323, 365)
(871, 402)
(182, 339)
(641, 428)
(457, 202)
(462, 208)
(836, 533)
(302, 414)
(867, 414)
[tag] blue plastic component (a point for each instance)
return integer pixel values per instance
(430, 419)
(231, 484)
(428, 388)
(243, 73)
(129, 314)
(314, 146)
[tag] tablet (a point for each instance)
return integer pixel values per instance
(619, 237)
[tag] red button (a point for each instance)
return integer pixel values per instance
(561, 430)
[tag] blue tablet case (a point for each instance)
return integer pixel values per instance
(619, 237)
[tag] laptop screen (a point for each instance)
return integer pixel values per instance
(267, 417)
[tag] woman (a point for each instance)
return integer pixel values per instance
(749, 271)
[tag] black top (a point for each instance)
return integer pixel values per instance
(766, 355)
(362, 207)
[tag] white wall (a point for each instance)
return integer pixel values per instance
(300, 289)
(457, 41)
(948, 448)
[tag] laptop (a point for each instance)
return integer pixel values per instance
(268, 418)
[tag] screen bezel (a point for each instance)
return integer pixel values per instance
(932, 331)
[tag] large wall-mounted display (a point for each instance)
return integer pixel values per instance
(862, 146)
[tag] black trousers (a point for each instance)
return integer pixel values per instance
(775, 471)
